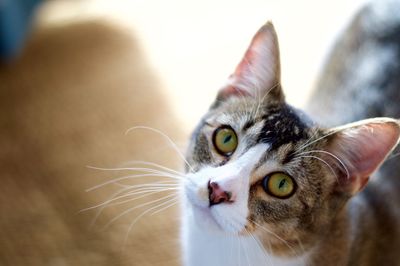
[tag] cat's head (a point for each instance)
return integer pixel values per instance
(259, 165)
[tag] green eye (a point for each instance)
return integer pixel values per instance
(225, 140)
(279, 185)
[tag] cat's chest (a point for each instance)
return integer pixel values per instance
(204, 248)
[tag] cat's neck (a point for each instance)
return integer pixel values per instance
(334, 244)
(219, 249)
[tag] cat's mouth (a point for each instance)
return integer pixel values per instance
(205, 214)
(220, 218)
(212, 219)
(218, 196)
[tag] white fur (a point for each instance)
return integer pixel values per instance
(206, 248)
(233, 177)
(209, 234)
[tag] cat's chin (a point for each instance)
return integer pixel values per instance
(210, 220)
(205, 220)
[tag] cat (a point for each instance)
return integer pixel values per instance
(268, 185)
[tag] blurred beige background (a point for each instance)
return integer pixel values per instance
(93, 69)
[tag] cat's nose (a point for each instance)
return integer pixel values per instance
(216, 194)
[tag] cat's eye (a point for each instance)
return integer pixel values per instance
(225, 140)
(279, 185)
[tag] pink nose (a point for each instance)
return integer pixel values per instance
(217, 195)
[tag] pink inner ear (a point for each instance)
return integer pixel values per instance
(260, 41)
(259, 70)
(230, 90)
(363, 149)
(375, 142)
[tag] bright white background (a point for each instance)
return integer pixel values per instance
(194, 45)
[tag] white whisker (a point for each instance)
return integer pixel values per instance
(144, 213)
(146, 192)
(316, 131)
(275, 235)
(394, 155)
(166, 207)
(108, 203)
(143, 169)
(322, 160)
(156, 165)
(330, 154)
(135, 207)
(101, 209)
(174, 146)
(318, 139)
(116, 180)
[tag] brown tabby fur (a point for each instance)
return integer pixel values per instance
(374, 226)
(325, 218)
(318, 219)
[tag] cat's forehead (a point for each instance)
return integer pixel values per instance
(276, 124)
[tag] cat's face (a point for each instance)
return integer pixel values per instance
(258, 165)
(272, 181)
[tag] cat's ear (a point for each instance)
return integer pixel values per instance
(258, 74)
(360, 148)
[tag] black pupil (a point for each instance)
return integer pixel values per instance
(282, 183)
(227, 139)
